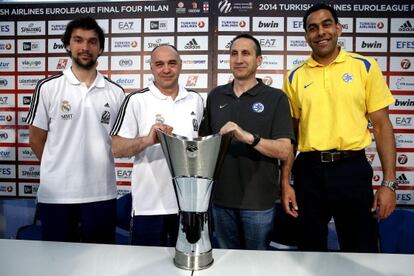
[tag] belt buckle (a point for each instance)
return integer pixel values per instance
(327, 156)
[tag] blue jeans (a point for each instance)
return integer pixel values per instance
(243, 229)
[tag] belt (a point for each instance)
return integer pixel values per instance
(332, 155)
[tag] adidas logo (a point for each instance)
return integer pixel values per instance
(192, 44)
(402, 179)
(406, 27)
(107, 105)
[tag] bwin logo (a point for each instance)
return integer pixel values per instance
(224, 6)
(370, 45)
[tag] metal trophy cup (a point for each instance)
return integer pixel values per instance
(192, 163)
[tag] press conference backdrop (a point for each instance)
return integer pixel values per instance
(30, 49)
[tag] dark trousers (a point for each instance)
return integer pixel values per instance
(157, 230)
(342, 190)
(92, 222)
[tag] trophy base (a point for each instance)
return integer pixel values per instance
(191, 262)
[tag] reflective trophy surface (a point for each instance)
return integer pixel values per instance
(193, 164)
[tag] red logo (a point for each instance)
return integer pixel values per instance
(134, 44)
(380, 25)
(8, 46)
(192, 80)
(242, 24)
(9, 189)
(201, 24)
(402, 159)
(267, 80)
(376, 178)
(62, 63)
(405, 63)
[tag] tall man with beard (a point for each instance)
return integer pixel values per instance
(70, 117)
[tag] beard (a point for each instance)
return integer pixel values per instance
(85, 65)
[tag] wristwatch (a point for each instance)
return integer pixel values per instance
(393, 185)
(256, 140)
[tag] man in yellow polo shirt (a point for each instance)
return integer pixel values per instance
(333, 95)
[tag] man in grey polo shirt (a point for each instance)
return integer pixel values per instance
(258, 117)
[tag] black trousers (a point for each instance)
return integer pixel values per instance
(342, 190)
(93, 222)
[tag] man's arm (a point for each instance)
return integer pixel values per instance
(37, 140)
(385, 198)
(288, 196)
(126, 147)
(277, 148)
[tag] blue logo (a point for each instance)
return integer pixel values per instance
(258, 107)
(347, 77)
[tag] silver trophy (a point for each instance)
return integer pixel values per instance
(193, 164)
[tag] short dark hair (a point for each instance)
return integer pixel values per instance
(317, 7)
(86, 23)
(248, 36)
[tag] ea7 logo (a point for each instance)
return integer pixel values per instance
(125, 174)
(125, 25)
(403, 121)
(267, 42)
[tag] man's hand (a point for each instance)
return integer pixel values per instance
(289, 201)
(237, 132)
(385, 200)
(152, 135)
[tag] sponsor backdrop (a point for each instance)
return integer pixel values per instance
(30, 49)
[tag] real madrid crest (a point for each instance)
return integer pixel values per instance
(65, 107)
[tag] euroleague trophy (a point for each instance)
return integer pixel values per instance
(193, 164)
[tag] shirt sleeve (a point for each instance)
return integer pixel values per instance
(282, 121)
(38, 115)
(126, 124)
(378, 93)
(292, 95)
(205, 127)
